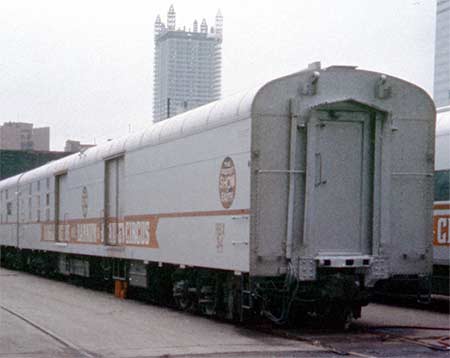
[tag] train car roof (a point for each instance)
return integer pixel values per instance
(212, 115)
(209, 116)
(443, 121)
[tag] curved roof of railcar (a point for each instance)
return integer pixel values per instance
(442, 152)
(443, 121)
(210, 116)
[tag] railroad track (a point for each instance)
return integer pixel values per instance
(359, 341)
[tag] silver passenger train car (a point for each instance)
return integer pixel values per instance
(293, 198)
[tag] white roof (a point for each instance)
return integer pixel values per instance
(443, 121)
(212, 115)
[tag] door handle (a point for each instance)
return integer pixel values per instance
(318, 168)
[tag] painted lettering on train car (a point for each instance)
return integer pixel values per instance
(84, 202)
(220, 235)
(129, 232)
(227, 182)
(137, 232)
(87, 233)
(441, 230)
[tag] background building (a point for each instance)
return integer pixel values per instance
(74, 146)
(22, 136)
(13, 162)
(187, 67)
(442, 55)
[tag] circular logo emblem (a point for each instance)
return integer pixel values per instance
(227, 182)
(84, 201)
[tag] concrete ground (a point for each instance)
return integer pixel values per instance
(44, 318)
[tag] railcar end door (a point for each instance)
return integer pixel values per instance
(339, 182)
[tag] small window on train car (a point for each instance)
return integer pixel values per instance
(30, 205)
(442, 185)
(47, 199)
(6, 194)
(38, 185)
(38, 208)
(30, 189)
(9, 208)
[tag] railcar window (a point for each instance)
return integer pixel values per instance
(47, 209)
(9, 208)
(38, 208)
(6, 193)
(30, 188)
(442, 185)
(38, 185)
(30, 205)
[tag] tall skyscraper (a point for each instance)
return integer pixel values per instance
(442, 55)
(187, 68)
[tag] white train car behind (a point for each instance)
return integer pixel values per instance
(302, 193)
(441, 237)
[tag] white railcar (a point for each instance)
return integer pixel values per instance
(441, 237)
(309, 189)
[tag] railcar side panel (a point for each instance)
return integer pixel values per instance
(149, 204)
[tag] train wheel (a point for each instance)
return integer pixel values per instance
(181, 296)
(340, 317)
(207, 300)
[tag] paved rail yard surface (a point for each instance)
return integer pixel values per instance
(45, 318)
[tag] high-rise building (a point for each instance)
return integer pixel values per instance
(22, 136)
(442, 55)
(187, 68)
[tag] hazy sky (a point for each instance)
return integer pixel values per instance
(85, 68)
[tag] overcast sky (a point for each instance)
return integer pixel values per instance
(85, 68)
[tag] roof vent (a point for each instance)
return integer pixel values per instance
(314, 66)
(341, 68)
